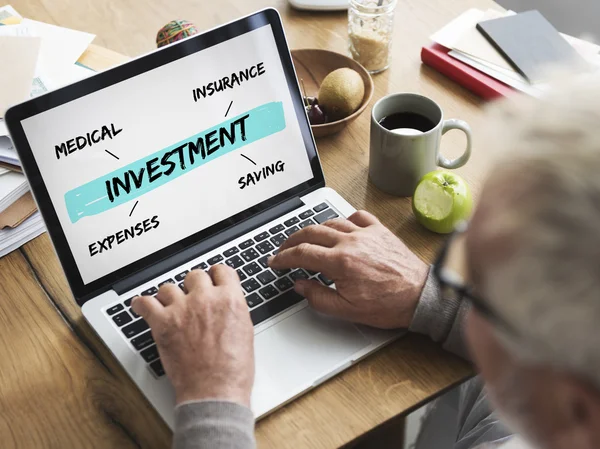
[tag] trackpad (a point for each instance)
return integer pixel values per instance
(297, 351)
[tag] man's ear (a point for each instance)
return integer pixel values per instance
(582, 414)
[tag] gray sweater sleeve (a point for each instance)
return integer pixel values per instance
(213, 425)
(441, 318)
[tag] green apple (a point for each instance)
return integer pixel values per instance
(441, 201)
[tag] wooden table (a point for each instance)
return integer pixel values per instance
(60, 387)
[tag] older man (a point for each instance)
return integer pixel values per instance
(523, 283)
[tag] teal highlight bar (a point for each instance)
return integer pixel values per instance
(92, 198)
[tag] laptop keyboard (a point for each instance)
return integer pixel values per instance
(267, 291)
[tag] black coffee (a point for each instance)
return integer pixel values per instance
(411, 120)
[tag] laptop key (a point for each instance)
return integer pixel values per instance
(291, 221)
(250, 285)
(131, 330)
(231, 251)
(150, 292)
(268, 292)
(166, 281)
(234, 262)
(283, 283)
(141, 341)
(280, 273)
(290, 231)
(320, 207)
(241, 274)
(157, 368)
(277, 229)
(181, 276)
(325, 215)
(272, 308)
(278, 239)
(311, 273)
(247, 244)
(306, 223)
(260, 237)
(307, 213)
(182, 287)
(263, 261)
(325, 280)
(215, 259)
(249, 255)
(128, 302)
(200, 266)
(253, 300)
(266, 277)
(299, 274)
(133, 314)
(150, 354)
(122, 319)
(114, 309)
(252, 268)
(265, 247)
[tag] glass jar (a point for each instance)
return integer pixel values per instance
(370, 28)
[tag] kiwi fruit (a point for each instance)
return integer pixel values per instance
(341, 93)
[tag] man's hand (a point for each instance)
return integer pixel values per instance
(378, 279)
(205, 337)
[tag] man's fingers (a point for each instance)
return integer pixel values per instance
(304, 255)
(363, 218)
(223, 275)
(341, 224)
(168, 294)
(148, 307)
(197, 280)
(315, 235)
(324, 299)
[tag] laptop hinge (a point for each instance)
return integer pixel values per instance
(207, 245)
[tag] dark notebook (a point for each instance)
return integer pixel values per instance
(530, 44)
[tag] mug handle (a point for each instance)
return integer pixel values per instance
(462, 160)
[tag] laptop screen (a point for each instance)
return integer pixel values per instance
(141, 164)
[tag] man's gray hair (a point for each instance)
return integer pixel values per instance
(548, 285)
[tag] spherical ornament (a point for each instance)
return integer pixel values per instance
(174, 31)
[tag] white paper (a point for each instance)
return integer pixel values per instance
(3, 128)
(18, 56)
(61, 47)
(15, 30)
(449, 35)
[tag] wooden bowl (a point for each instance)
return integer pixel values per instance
(313, 65)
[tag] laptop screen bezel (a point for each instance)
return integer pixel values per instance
(17, 114)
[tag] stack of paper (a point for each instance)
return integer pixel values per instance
(8, 154)
(35, 57)
(30, 228)
(469, 46)
(12, 187)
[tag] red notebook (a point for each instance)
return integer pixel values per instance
(488, 88)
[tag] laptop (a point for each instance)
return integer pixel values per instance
(197, 154)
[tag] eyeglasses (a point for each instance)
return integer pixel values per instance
(450, 271)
